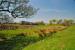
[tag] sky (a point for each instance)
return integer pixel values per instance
(52, 9)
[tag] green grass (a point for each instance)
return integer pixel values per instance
(11, 33)
(64, 40)
(29, 31)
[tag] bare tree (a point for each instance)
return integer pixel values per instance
(17, 8)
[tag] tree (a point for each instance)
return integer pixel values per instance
(68, 22)
(50, 22)
(53, 21)
(71, 21)
(16, 8)
(60, 21)
(4, 18)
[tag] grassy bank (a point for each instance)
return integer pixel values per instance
(64, 40)
(19, 38)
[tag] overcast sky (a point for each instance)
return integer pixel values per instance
(52, 9)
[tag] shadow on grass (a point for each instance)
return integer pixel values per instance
(17, 43)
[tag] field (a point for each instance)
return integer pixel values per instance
(31, 30)
(43, 37)
(63, 40)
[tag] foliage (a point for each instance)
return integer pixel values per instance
(65, 22)
(17, 42)
(68, 22)
(16, 8)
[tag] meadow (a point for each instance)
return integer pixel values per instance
(62, 40)
(17, 39)
(31, 30)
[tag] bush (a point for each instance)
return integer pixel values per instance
(17, 42)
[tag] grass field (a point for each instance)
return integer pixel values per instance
(29, 38)
(63, 40)
(29, 31)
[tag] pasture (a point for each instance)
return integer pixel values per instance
(17, 39)
(30, 30)
(62, 40)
